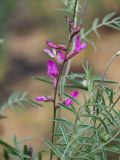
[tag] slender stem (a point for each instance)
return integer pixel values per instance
(53, 129)
(60, 71)
(75, 22)
(107, 67)
(115, 103)
(77, 116)
(55, 98)
(54, 106)
(74, 12)
(75, 19)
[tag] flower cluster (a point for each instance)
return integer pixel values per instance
(61, 54)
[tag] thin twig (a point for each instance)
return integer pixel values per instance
(55, 98)
(54, 106)
(107, 67)
(75, 19)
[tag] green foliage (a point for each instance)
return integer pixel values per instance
(68, 5)
(96, 124)
(110, 20)
(6, 9)
(18, 99)
(16, 152)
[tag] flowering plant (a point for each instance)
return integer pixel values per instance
(94, 130)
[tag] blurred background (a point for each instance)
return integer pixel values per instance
(25, 26)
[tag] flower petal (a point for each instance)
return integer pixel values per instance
(83, 45)
(75, 31)
(44, 99)
(62, 47)
(69, 101)
(41, 98)
(52, 45)
(52, 70)
(51, 54)
(60, 57)
(56, 46)
(77, 44)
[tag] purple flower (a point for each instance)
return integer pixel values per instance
(52, 45)
(52, 70)
(62, 47)
(83, 45)
(77, 44)
(75, 31)
(60, 57)
(78, 47)
(44, 99)
(69, 101)
(56, 46)
(50, 53)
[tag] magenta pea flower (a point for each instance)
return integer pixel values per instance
(60, 57)
(52, 70)
(78, 47)
(67, 102)
(50, 53)
(56, 46)
(52, 45)
(44, 99)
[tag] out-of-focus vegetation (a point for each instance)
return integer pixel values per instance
(6, 8)
(41, 7)
(44, 14)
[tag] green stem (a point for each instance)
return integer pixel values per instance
(107, 67)
(75, 22)
(55, 98)
(60, 71)
(53, 129)
(75, 19)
